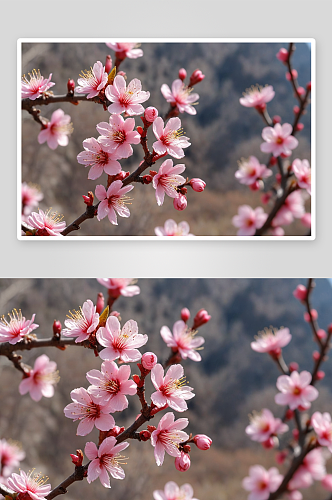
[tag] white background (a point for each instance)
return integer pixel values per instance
(174, 18)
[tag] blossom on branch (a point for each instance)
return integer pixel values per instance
(82, 323)
(312, 469)
(105, 460)
(183, 340)
(120, 343)
(167, 179)
(36, 87)
(90, 411)
(112, 384)
(173, 492)
(125, 98)
(271, 340)
(322, 425)
(263, 425)
(120, 286)
(171, 228)
(293, 208)
(261, 482)
(257, 97)
(29, 485)
(117, 135)
(125, 49)
(180, 96)
(278, 140)
(16, 328)
(99, 159)
(249, 219)
(47, 223)
(11, 455)
(92, 81)
(302, 173)
(168, 436)
(41, 379)
(170, 139)
(170, 387)
(251, 170)
(57, 130)
(31, 196)
(295, 390)
(113, 201)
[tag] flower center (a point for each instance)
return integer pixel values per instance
(279, 140)
(102, 158)
(112, 386)
(79, 319)
(119, 136)
(297, 391)
(35, 80)
(172, 385)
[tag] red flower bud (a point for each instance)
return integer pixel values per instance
(309, 86)
(78, 458)
(198, 185)
(100, 303)
(299, 127)
(145, 435)
(139, 130)
(149, 360)
(202, 441)
(88, 200)
(320, 375)
(180, 203)
(276, 119)
(185, 314)
(196, 77)
(300, 292)
(136, 379)
(182, 74)
(201, 318)
(151, 428)
(182, 463)
(70, 86)
(293, 366)
(150, 114)
(283, 55)
(57, 327)
(153, 173)
(147, 179)
(108, 64)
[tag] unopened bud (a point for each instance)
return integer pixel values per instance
(57, 327)
(182, 463)
(186, 448)
(70, 86)
(145, 435)
(149, 360)
(78, 458)
(185, 314)
(320, 375)
(88, 200)
(108, 64)
(201, 318)
(153, 173)
(321, 334)
(315, 355)
(182, 74)
(150, 114)
(309, 86)
(100, 303)
(147, 179)
(257, 185)
(202, 441)
(139, 130)
(198, 185)
(313, 315)
(136, 379)
(272, 442)
(276, 119)
(273, 161)
(299, 127)
(180, 202)
(293, 366)
(300, 292)
(300, 91)
(283, 55)
(151, 428)
(196, 77)
(289, 415)
(296, 110)
(115, 431)
(121, 175)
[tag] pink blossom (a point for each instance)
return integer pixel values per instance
(99, 159)
(257, 96)
(171, 228)
(261, 482)
(29, 485)
(322, 425)
(180, 96)
(183, 339)
(150, 114)
(173, 492)
(125, 98)
(119, 343)
(31, 196)
(182, 463)
(201, 318)
(283, 55)
(167, 179)
(112, 384)
(47, 223)
(293, 208)
(10, 456)
(312, 468)
(251, 170)
(16, 328)
(126, 49)
(248, 220)
(271, 341)
(120, 286)
(117, 135)
(37, 86)
(41, 379)
(149, 360)
(170, 139)
(295, 390)
(113, 201)
(263, 425)
(57, 130)
(198, 185)
(92, 81)
(279, 140)
(302, 172)
(180, 202)
(90, 411)
(202, 442)
(105, 460)
(300, 292)
(171, 390)
(168, 436)
(82, 323)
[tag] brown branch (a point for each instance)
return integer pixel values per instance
(6, 349)
(313, 323)
(290, 69)
(277, 206)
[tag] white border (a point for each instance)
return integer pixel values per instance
(312, 41)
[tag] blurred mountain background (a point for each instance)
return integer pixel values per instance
(221, 133)
(230, 382)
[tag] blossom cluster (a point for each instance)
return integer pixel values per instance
(117, 136)
(292, 183)
(312, 436)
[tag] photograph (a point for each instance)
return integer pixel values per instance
(152, 138)
(165, 388)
